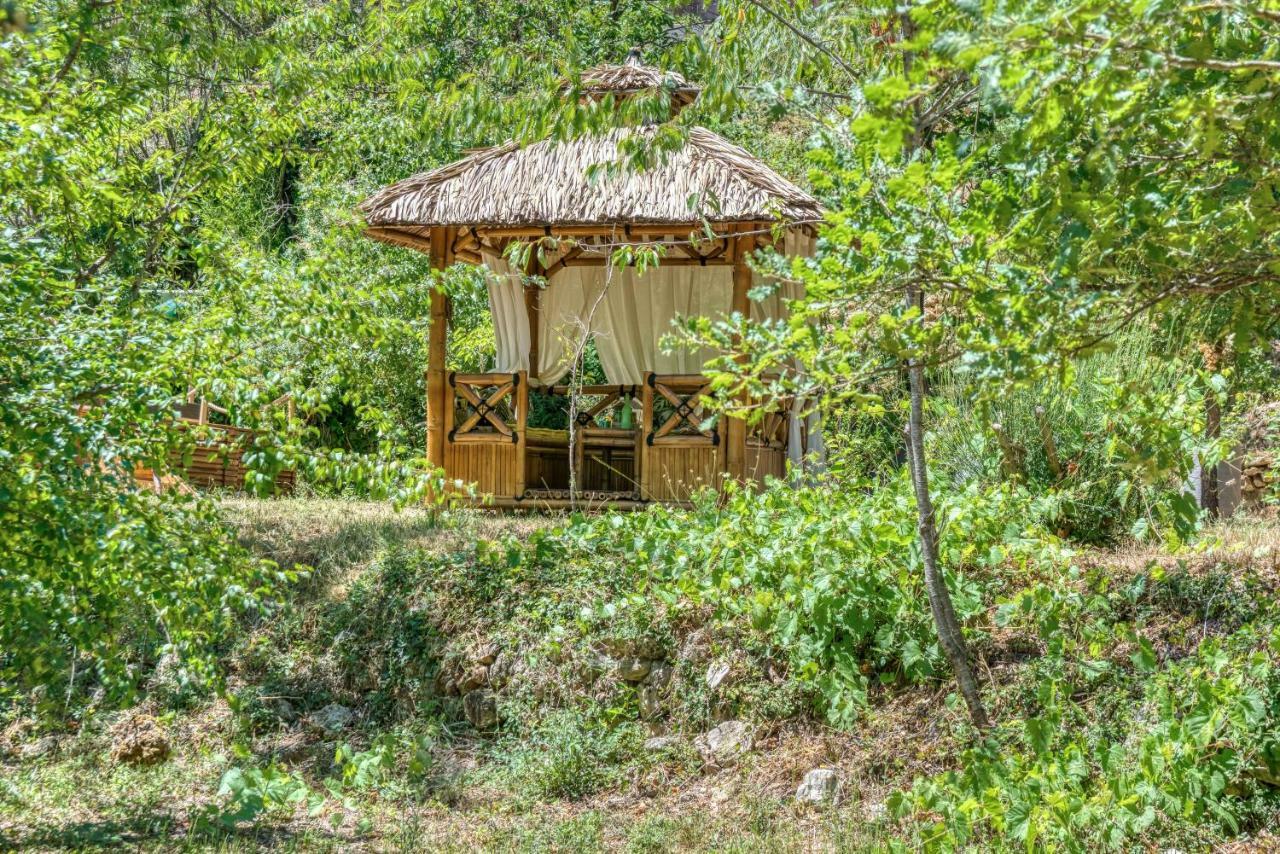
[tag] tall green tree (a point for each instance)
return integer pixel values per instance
(177, 179)
(1035, 177)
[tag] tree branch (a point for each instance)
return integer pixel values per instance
(813, 42)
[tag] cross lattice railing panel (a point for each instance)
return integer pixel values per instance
(484, 407)
(612, 399)
(677, 402)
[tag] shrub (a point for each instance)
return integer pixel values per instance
(827, 580)
(1172, 746)
(570, 754)
(1127, 429)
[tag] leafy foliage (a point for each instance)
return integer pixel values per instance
(1188, 742)
(175, 218)
(830, 580)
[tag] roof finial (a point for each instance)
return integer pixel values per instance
(634, 58)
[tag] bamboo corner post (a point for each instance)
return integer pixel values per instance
(532, 308)
(437, 347)
(646, 427)
(522, 432)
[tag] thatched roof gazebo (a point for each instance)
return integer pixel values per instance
(704, 208)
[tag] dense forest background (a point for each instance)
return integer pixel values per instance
(1064, 216)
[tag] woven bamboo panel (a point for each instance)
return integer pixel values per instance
(213, 468)
(491, 466)
(674, 474)
(547, 468)
(762, 462)
(609, 470)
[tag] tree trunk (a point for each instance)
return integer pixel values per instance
(1209, 491)
(944, 613)
(1209, 470)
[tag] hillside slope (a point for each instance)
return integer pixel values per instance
(475, 681)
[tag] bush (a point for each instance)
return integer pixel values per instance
(1127, 428)
(828, 580)
(1125, 739)
(571, 754)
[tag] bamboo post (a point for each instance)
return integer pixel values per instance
(642, 443)
(532, 305)
(579, 451)
(436, 349)
(1050, 446)
(522, 425)
(736, 428)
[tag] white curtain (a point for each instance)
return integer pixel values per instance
(510, 322)
(628, 313)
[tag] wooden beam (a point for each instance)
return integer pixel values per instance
(603, 261)
(482, 379)
(620, 231)
(684, 440)
(559, 265)
(437, 341)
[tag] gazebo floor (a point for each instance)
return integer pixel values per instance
(548, 499)
(583, 495)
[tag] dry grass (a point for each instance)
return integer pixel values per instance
(329, 533)
(1244, 541)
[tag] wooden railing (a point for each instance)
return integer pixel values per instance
(490, 411)
(485, 418)
(684, 425)
(670, 450)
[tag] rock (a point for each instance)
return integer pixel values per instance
(717, 672)
(507, 668)
(650, 703)
(694, 646)
(660, 675)
(485, 654)
(593, 668)
(284, 710)
(633, 648)
(659, 743)
(876, 811)
(481, 709)
(166, 673)
(475, 677)
(634, 669)
(332, 718)
(139, 740)
(724, 744)
(1265, 774)
(40, 747)
(819, 786)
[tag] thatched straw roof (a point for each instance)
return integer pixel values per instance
(547, 184)
(554, 184)
(632, 78)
